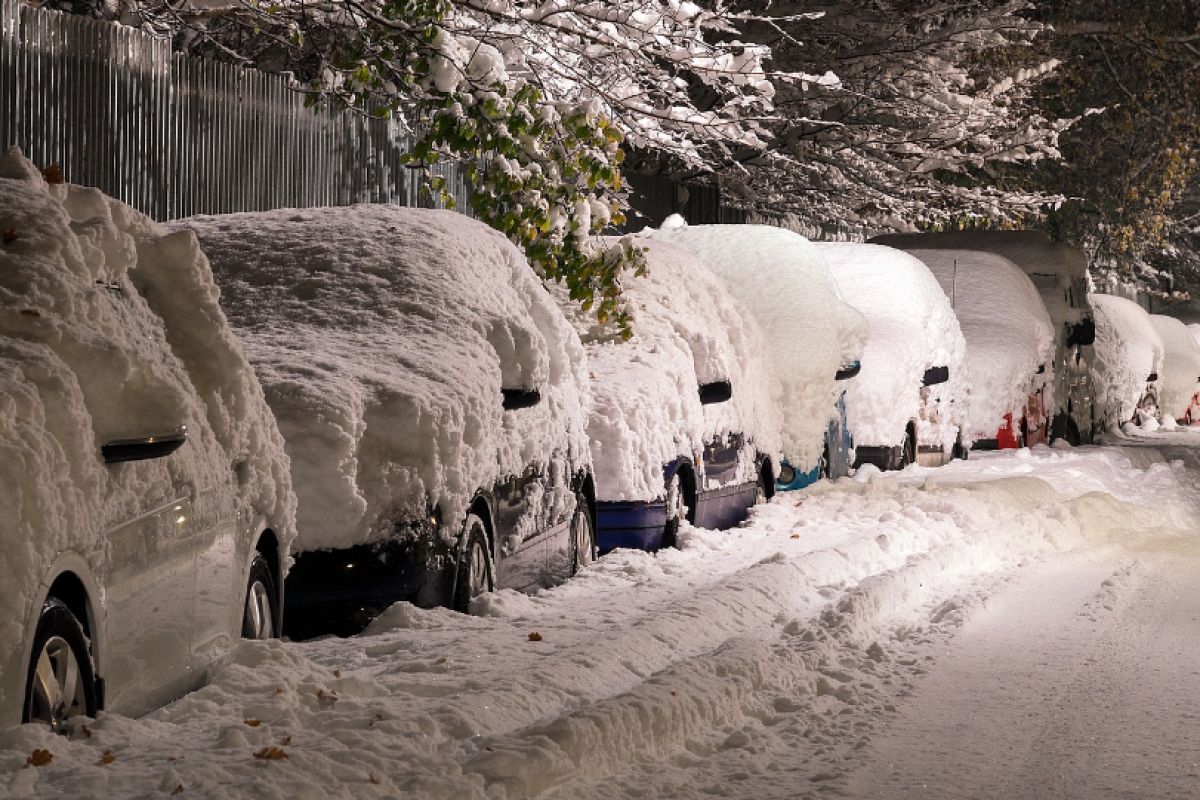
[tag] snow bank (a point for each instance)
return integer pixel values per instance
(646, 409)
(1008, 332)
(383, 337)
(780, 277)
(1180, 376)
(111, 330)
(1128, 350)
(911, 327)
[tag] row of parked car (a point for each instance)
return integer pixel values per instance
(371, 404)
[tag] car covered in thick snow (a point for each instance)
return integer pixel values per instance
(814, 339)
(1010, 345)
(1179, 383)
(910, 402)
(1059, 272)
(432, 400)
(682, 423)
(146, 509)
(1129, 363)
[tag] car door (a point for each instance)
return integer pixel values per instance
(219, 589)
(519, 515)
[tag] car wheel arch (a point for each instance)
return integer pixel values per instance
(687, 481)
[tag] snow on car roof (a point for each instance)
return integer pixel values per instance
(115, 333)
(1128, 350)
(780, 277)
(646, 408)
(383, 337)
(1007, 330)
(911, 327)
(1180, 377)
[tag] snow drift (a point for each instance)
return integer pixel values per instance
(1128, 351)
(1180, 377)
(383, 337)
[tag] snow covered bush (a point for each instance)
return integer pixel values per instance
(911, 328)
(1129, 351)
(1180, 378)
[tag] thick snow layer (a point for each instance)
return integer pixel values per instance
(383, 337)
(1180, 377)
(1008, 332)
(110, 329)
(646, 409)
(768, 661)
(911, 327)
(781, 278)
(1128, 350)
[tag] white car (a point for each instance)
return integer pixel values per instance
(146, 509)
(1129, 362)
(909, 404)
(432, 398)
(682, 423)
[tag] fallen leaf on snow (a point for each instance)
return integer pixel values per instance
(795, 536)
(535, 637)
(178, 789)
(253, 723)
(270, 754)
(285, 741)
(326, 698)
(106, 759)
(39, 758)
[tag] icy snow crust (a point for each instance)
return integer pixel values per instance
(383, 336)
(1128, 350)
(1180, 376)
(646, 409)
(911, 328)
(1007, 331)
(110, 329)
(781, 278)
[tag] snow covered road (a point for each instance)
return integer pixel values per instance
(1019, 625)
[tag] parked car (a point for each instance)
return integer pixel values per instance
(910, 403)
(146, 510)
(1179, 383)
(1129, 362)
(432, 398)
(1010, 345)
(814, 338)
(1059, 272)
(682, 422)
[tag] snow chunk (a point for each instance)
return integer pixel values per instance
(1128, 351)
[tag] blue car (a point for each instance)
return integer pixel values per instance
(835, 460)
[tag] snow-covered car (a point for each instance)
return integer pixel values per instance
(910, 402)
(146, 509)
(1059, 272)
(432, 400)
(1010, 345)
(814, 339)
(682, 423)
(1179, 382)
(1129, 361)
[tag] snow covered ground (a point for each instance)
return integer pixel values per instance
(1018, 625)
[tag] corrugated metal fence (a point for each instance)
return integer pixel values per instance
(173, 135)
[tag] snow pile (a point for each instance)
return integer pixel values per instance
(383, 337)
(1008, 332)
(1128, 350)
(911, 328)
(780, 278)
(111, 330)
(646, 409)
(1180, 376)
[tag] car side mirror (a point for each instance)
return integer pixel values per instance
(935, 375)
(716, 392)
(143, 448)
(1082, 332)
(515, 399)
(848, 371)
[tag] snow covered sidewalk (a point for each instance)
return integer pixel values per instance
(796, 656)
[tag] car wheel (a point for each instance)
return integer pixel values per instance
(261, 609)
(908, 451)
(583, 537)
(474, 566)
(61, 681)
(676, 510)
(825, 470)
(959, 450)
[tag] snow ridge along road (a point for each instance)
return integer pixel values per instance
(958, 632)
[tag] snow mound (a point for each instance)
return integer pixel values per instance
(911, 328)
(1008, 332)
(1128, 350)
(112, 330)
(646, 411)
(781, 278)
(1180, 376)
(383, 337)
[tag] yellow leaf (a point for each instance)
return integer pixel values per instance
(39, 758)
(270, 754)
(535, 637)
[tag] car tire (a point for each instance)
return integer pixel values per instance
(908, 450)
(825, 468)
(583, 535)
(959, 451)
(676, 504)
(260, 611)
(61, 681)
(475, 575)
